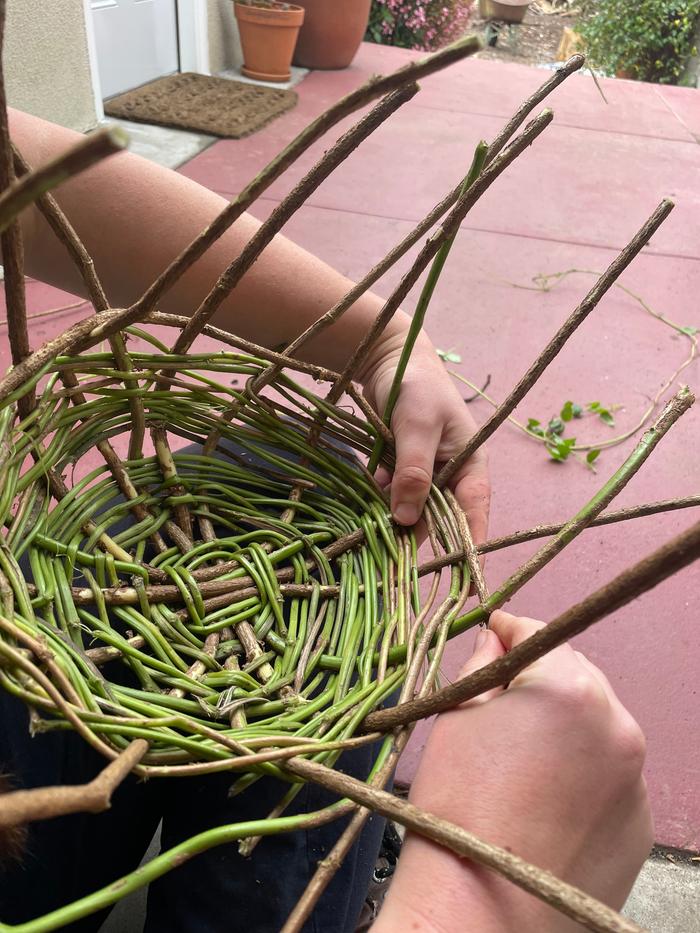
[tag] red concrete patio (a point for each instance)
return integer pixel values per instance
(572, 201)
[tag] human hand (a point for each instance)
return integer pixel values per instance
(549, 768)
(431, 423)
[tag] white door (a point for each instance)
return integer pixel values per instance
(136, 41)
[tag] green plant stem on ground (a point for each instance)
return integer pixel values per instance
(546, 282)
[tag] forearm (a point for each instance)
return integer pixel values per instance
(135, 217)
(435, 891)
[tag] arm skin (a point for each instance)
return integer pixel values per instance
(550, 768)
(134, 217)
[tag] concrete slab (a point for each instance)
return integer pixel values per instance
(684, 103)
(477, 86)
(297, 75)
(666, 896)
(582, 185)
(163, 144)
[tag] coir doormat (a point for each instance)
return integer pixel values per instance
(189, 101)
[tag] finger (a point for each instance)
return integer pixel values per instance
(487, 647)
(382, 477)
(514, 630)
(472, 489)
(416, 444)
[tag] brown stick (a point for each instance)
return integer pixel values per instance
(83, 262)
(243, 586)
(469, 548)
(44, 803)
(11, 245)
(330, 865)
(544, 531)
(27, 189)
(603, 285)
(394, 255)
(326, 165)
(628, 585)
(567, 899)
(371, 90)
(607, 518)
(447, 229)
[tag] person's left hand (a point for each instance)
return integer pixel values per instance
(431, 423)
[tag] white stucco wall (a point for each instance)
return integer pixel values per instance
(224, 44)
(47, 67)
(47, 64)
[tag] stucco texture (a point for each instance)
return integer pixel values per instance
(47, 67)
(224, 44)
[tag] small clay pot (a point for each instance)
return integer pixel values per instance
(332, 32)
(510, 11)
(268, 35)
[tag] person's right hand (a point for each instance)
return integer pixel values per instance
(549, 768)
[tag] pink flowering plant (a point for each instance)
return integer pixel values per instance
(418, 24)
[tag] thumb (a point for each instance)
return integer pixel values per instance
(487, 647)
(416, 445)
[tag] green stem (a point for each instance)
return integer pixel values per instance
(414, 330)
(168, 860)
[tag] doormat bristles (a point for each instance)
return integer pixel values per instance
(202, 103)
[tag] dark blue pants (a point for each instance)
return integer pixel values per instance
(215, 891)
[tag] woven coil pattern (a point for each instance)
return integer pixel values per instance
(230, 600)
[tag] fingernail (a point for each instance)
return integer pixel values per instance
(406, 513)
(482, 637)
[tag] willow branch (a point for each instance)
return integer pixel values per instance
(448, 229)
(356, 100)
(43, 803)
(90, 150)
(628, 585)
(11, 245)
(603, 285)
(326, 165)
(575, 63)
(608, 518)
(400, 250)
(567, 899)
(329, 866)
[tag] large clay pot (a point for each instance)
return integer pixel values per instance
(332, 32)
(510, 11)
(268, 35)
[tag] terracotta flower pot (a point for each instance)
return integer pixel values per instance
(268, 35)
(331, 33)
(510, 11)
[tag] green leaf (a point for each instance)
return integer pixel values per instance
(606, 417)
(593, 406)
(556, 426)
(449, 356)
(560, 449)
(689, 330)
(592, 455)
(567, 412)
(555, 454)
